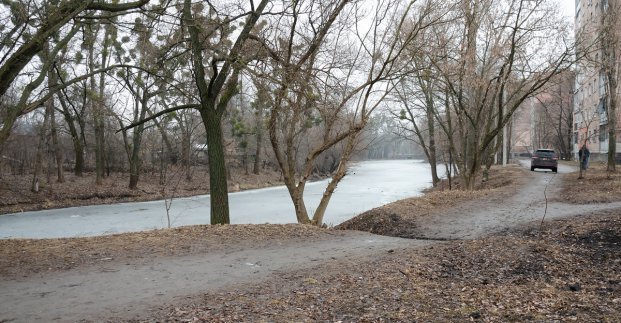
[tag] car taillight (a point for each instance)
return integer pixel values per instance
(535, 156)
(554, 158)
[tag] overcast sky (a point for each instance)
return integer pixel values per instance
(567, 7)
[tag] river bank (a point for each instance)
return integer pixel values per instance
(16, 196)
(369, 184)
(565, 269)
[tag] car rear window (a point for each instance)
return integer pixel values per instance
(544, 153)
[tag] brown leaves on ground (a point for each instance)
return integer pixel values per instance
(22, 257)
(15, 194)
(596, 186)
(397, 219)
(570, 272)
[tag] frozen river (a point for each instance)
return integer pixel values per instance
(368, 185)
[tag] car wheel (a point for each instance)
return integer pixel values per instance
(554, 170)
(532, 169)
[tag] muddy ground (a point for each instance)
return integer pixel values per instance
(479, 256)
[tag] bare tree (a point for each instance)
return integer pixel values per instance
(610, 40)
(555, 119)
(216, 90)
(506, 51)
(419, 111)
(30, 29)
(327, 84)
(586, 121)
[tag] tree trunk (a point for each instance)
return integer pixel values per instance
(39, 156)
(166, 141)
(78, 148)
(297, 196)
(58, 151)
(472, 163)
(245, 154)
(339, 174)
(96, 104)
(186, 151)
(99, 146)
(433, 162)
(162, 167)
(134, 169)
(609, 44)
(218, 186)
(612, 124)
(135, 161)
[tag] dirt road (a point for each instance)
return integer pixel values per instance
(127, 289)
(532, 202)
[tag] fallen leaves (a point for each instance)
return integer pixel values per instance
(22, 257)
(597, 186)
(398, 219)
(15, 194)
(570, 271)
(523, 275)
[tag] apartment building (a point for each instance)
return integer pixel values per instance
(592, 90)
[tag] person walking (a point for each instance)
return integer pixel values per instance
(583, 156)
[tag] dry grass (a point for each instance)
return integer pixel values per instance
(397, 218)
(597, 186)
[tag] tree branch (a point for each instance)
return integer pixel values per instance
(163, 112)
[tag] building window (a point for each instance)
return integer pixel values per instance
(603, 134)
(602, 83)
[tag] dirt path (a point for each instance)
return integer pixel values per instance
(125, 290)
(128, 289)
(530, 203)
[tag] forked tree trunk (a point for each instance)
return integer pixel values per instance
(78, 147)
(297, 197)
